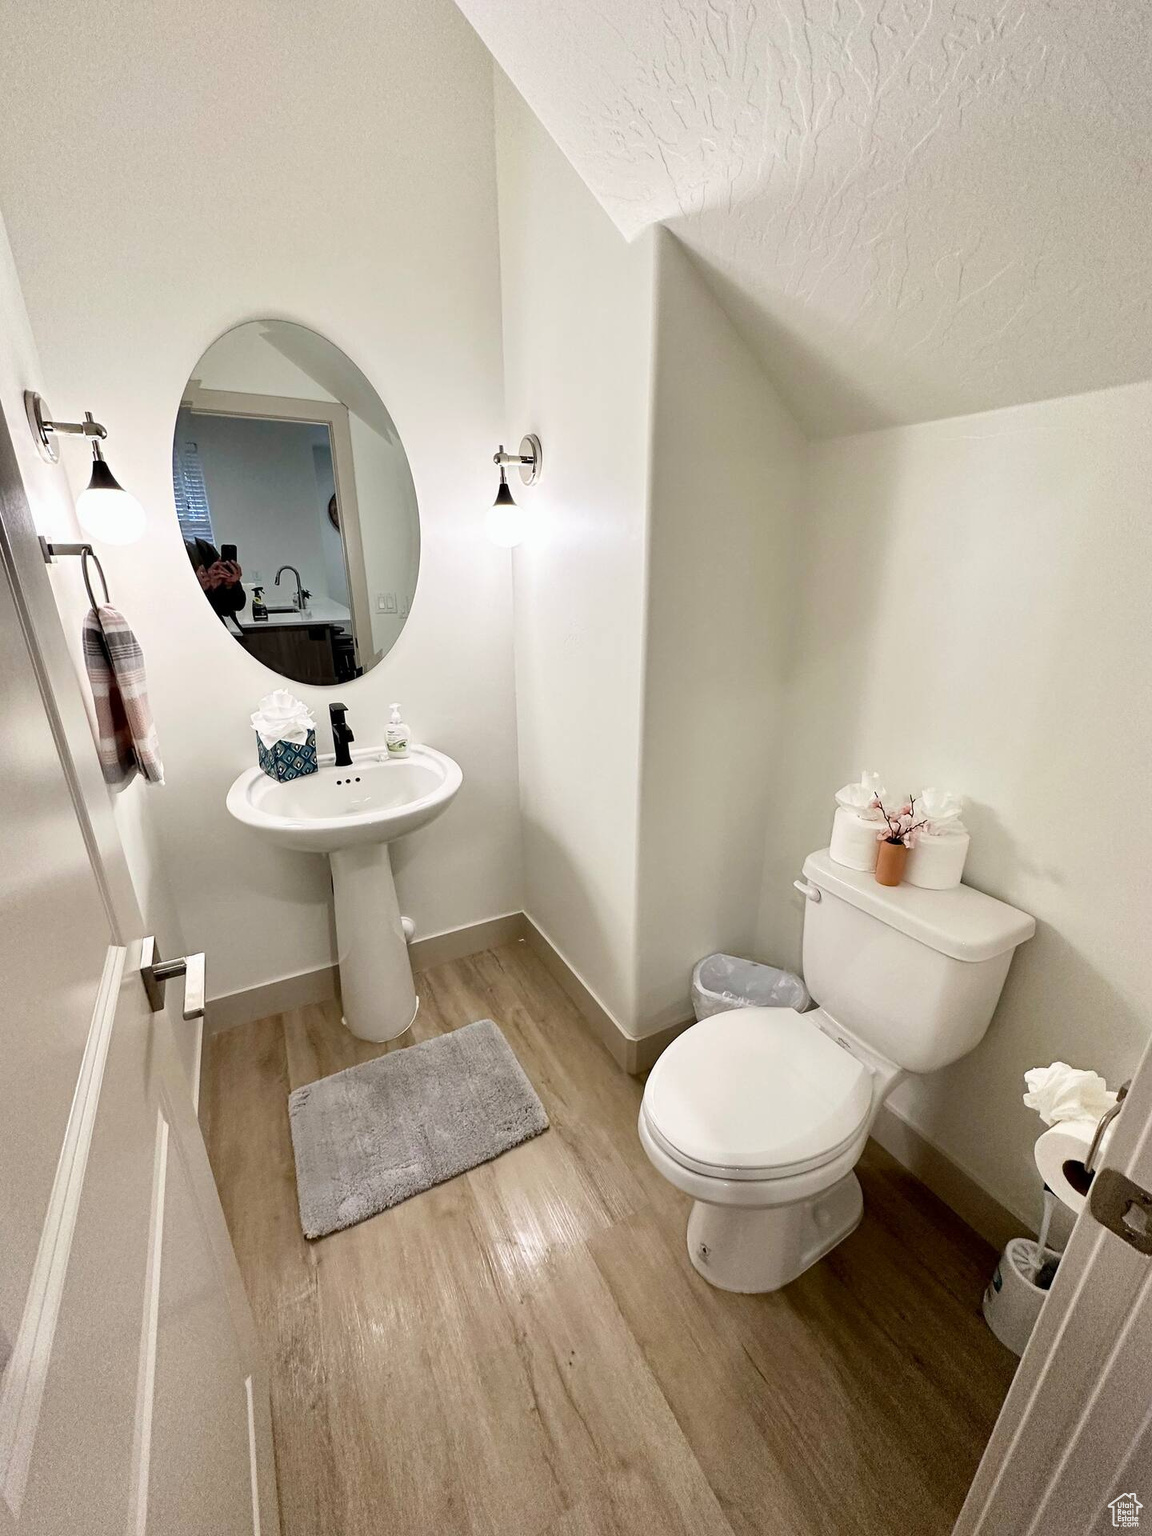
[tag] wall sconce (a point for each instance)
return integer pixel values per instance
(506, 523)
(104, 507)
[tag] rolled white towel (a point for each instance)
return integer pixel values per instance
(860, 797)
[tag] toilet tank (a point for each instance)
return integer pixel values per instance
(914, 974)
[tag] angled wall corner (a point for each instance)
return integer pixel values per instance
(726, 482)
(651, 601)
(896, 203)
(577, 314)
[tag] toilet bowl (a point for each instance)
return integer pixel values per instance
(760, 1114)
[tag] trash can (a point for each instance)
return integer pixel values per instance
(721, 982)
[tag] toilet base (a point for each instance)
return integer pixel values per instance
(752, 1249)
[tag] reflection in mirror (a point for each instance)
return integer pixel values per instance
(296, 502)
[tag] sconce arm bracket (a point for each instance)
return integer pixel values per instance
(529, 460)
(45, 429)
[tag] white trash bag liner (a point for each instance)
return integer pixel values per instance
(721, 982)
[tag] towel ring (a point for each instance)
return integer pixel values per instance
(90, 554)
(86, 553)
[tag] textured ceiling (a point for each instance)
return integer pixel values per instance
(912, 210)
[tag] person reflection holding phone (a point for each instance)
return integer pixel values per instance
(219, 574)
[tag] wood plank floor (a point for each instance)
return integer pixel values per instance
(527, 1351)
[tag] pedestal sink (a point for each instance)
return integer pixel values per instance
(352, 814)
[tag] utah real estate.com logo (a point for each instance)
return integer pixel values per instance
(1125, 1510)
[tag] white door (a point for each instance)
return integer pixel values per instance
(131, 1394)
(1071, 1452)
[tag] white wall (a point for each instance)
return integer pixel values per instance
(975, 614)
(726, 464)
(211, 132)
(577, 346)
(650, 598)
(54, 515)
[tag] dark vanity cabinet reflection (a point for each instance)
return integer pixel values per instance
(307, 653)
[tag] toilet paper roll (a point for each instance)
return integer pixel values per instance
(1060, 1155)
(854, 840)
(936, 860)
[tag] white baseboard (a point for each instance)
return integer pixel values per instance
(322, 984)
(253, 1003)
(947, 1181)
(318, 986)
(635, 1055)
(456, 943)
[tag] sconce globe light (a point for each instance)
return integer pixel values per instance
(104, 508)
(506, 523)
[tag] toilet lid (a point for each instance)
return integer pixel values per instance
(757, 1089)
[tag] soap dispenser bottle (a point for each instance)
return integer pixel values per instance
(397, 736)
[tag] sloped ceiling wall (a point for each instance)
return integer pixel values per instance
(912, 208)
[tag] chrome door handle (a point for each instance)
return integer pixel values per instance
(154, 972)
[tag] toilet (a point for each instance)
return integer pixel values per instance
(761, 1114)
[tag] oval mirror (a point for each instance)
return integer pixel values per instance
(296, 502)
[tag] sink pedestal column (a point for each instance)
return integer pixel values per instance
(375, 974)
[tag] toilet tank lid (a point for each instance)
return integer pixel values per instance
(962, 922)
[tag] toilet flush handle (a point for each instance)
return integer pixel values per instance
(807, 890)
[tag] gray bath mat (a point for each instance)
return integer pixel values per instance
(370, 1136)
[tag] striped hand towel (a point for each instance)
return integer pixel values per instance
(125, 734)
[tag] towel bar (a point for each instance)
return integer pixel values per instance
(86, 553)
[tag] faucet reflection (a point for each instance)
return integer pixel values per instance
(302, 595)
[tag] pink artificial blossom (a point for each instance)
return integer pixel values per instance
(902, 824)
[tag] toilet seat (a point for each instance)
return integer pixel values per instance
(756, 1094)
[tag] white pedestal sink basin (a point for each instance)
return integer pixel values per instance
(352, 814)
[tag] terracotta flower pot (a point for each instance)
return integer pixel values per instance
(890, 862)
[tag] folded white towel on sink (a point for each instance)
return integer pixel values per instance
(282, 717)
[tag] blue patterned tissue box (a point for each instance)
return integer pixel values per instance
(288, 759)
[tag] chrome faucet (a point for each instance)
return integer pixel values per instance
(302, 595)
